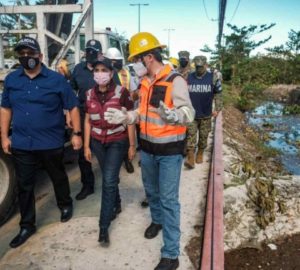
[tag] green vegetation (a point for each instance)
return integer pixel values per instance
(265, 150)
(248, 75)
(250, 95)
(291, 109)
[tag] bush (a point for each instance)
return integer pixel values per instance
(250, 96)
(291, 109)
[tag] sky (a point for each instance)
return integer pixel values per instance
(193, 27)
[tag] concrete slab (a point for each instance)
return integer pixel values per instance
(73, 245)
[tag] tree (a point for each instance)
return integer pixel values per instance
(289, 57)
(290, 49)
(237, 48)
(293, 44)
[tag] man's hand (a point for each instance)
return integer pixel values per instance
(6, 144)
(169, 115)
(115, 116)
(76, 142)
(88, 154)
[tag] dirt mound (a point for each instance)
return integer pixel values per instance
(282, 255)
(280, 92)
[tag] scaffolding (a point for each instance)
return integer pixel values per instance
(41, 12)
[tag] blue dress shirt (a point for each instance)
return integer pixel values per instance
(37, 105)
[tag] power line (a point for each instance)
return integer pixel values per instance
(206, 13)
(206, 10)
(236, 8)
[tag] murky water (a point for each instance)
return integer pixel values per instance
(283, 131)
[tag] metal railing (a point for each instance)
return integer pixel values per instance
(212, 245)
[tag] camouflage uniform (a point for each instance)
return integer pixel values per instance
(202, 126)
(186, 70)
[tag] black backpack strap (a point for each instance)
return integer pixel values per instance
(172, 76)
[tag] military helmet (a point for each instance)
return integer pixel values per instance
(142, 42)
(200, 60)
(184, 54)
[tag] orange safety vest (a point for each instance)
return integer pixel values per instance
(124, 77)
(157, 136)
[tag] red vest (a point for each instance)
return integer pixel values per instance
(100, 129)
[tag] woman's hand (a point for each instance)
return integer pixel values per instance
(131, 152)
(69, 120)
(76, 142)
(88, 154)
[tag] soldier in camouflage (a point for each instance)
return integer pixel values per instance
(204, 88)
(184, 64)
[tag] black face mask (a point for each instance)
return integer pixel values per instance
(200, 70)
(183, 62)
(29, 62)
(118, 65)
(91, 56)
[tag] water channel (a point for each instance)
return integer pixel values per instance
(283, 132)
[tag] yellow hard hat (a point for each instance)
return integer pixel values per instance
(142, 42)
(174, 61)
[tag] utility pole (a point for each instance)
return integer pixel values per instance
(169, 30)
(139, 13)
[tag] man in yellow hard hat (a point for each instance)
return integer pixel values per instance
(163, 113)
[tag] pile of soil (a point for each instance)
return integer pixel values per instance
(285, 257)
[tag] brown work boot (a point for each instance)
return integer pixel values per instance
(190, 160)
(199, 157)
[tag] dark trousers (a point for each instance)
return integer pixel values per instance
(87, 175)
(26, 164)
(110, 157)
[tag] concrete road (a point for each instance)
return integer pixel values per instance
(73, 245)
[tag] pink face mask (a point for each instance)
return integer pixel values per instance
(102, 78)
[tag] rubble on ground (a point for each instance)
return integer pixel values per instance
(260, 202)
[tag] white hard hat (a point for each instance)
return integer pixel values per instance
(113, 54)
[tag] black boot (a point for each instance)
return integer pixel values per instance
(66, 213)
(104, 237)
(22, 237)
(167, 264)
(152, 231)
(128, 165)
(84, 192)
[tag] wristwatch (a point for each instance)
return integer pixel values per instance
(77, 133)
